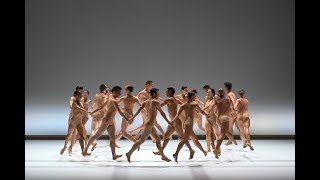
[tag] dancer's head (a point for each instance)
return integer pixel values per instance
(103, 88)
(191, 96)
(228, 86)
(221, 93)
(85, 93)
(77, 94)
(211, 92)
(116, 91)
(149, 85)
(79, 88)
(170, 91)
(154, 92)
(206, 88)
(184, 90)
(129, 89)
(241, 92)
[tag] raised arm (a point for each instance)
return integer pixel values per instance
(116, 105)
(163, 114)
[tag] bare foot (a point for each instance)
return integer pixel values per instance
(128, 157)
(156, 153)
(228, 143)
(216, 153)
(85, 152)
(70, 150)
(245, 145)
(93, 146)
(251, 148)
(175, 157)
(117, 146)
(235, 142)
(165, 159)
(205, 153)
(208, 150)
(114, 157)
(191, 154)
(63, 149)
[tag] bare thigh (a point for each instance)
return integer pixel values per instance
(155, 135)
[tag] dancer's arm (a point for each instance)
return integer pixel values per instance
(75, 106)
(139, 110)
(163, 114)
(178, 114)
(116, 105)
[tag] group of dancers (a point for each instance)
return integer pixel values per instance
(221, 111)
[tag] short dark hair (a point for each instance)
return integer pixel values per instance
(79, 88)
(116, 88)
(102, 87)
(171, 90)
(148, 82)
(228, 85)
(220, 90)
(130, 88)
(190, 94)
(77, 92)
(153, 91)
(194, 91)
(241, 91)
(183, 87)
(206, 86)
(213, 91)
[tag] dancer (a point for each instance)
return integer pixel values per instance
(198, 115)
(224, 108)
(211, 126)
(172, 104)
(100, 99)
(128, 104)
(243, 118)
(143, 96)
(189, 108)
(108, 121)
(233, 116)
(86, 104)
(75, 118)
(153, 106)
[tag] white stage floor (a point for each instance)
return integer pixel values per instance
(271, 159)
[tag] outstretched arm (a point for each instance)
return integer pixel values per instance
(165, 102)
(139, 110)
(116, 105)
(178, 114)
(103, 105)
(163, 114)
(200, 102)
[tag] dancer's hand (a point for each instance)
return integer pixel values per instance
(90, 113)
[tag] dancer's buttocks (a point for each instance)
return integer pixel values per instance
(98, 115)
(243, 116)
(108, 119)
(223, 118)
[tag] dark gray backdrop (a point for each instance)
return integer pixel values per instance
(250, 43)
